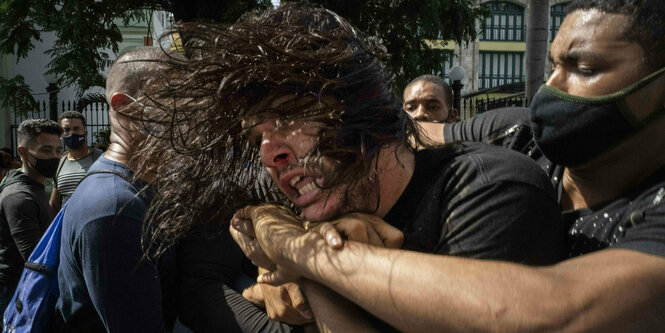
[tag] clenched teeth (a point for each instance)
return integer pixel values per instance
(295, 180)
(307, 188)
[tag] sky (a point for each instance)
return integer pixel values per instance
(275, 2)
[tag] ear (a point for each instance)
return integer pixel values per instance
(119, 99)
(453, 115)
(21, 152)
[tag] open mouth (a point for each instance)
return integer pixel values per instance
(303, 184)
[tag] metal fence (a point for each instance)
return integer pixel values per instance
(96, 118)
(476, 104)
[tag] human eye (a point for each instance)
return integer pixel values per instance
(409, 107)
(587, 71)
(433, 107)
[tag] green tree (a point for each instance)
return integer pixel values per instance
(85, 28)
(406, 26)
(87, 32)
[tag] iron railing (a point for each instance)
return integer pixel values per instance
(96, 117)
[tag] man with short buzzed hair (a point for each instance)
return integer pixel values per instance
(106, 283)
(429, 98)
(24, 210)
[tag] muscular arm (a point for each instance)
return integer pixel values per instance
(611, 290)
(56, 200)
(333, 312)
(508, 127)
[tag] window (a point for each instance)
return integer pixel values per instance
(505, 23)
(558, 13)
(499, 68)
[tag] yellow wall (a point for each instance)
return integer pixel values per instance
(482, 46)
(502, 46)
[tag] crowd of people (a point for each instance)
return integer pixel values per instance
(267, 178)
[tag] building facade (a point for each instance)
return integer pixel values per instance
(497, 57)
(33, 66)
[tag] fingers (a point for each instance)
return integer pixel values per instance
(373, 238)
(279, 304)
(245, 212)
(243, 224)
(254, 294)
(252, 249)
(354, 229)
(277, 277)
(391, 237)
(330, 234)
(298, 300)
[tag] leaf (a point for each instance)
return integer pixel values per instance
(17, 95)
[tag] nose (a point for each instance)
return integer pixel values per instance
(557, 80)
(420, 113)
(275, 151)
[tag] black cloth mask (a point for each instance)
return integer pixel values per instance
(572, 130)
(73, 140)
(46, 167)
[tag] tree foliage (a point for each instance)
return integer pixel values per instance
(87, 32)
(406, 26)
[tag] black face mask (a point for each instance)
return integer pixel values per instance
(46, 167)
(572, 130)
(73, 141)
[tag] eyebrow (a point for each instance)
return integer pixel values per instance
(426, 100)
(576, 54)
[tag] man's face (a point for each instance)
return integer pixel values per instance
(426, 101)
(72, 125)
(44, 146)
(282, 148)
(590, 57)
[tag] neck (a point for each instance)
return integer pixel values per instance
(611, 174)
(33, 174)
(79, 152)
(117, 153)
(396, 164)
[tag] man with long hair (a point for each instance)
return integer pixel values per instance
(301, 93)
(599, 123)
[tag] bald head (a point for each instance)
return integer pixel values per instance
(132, 76)
(132, 71)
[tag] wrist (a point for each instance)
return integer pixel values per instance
(299, 253)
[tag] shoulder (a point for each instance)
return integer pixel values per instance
(106, 194)
(482, 164)
(96, 153)
(17, 197)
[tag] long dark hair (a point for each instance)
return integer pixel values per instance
(207, 164)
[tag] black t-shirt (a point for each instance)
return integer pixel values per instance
(209, 264)
(480, 201)
(634, 221)
(24, 217)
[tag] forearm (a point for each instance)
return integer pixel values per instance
(55, 201)
(420, 292)
(333, 312)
